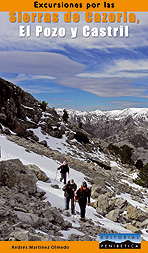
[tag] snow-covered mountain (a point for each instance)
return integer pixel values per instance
(136, 113)
(41, 140)
(128, 126)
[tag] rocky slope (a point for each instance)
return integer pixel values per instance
(21, 113)
(128, 126)
(25, 214)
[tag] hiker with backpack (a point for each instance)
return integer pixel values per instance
(63, 170)
(82, 194)
(69, 192)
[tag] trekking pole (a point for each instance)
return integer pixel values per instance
(74, 209)
(56, 175)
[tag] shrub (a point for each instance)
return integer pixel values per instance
(113, 149)
(143, 175)
(124, 152)
(81, 137)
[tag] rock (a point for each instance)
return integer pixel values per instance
(35, 138)
(44, 143)
(20, 234)
(95, 190)
(3, 117)
(136, 214)
(5, 229)
(56, 186)
(87, 238)
(144, 223)
(120, 203)
(4, 209)
(26, 218)
(6, 131)
(27, 182)
(38, 172)
(48, 214)
(102, 203)
(138, 224)
(39, 237)
(113, 215)
(66, 213)
(132, 228)
(13, 173)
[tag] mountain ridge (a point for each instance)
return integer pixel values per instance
(128, 126)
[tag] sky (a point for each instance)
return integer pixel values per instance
(93, 73)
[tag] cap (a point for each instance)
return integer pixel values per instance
(64, 163)
(71, 181)
(84, 184)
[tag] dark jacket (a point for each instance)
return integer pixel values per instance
(69, 190)
(64, 168)
(82, 195)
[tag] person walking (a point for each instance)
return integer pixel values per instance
(82, 194)
(64, 169)
(69, 190)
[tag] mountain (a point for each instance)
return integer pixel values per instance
(128, 126)
(34, 142)
(22, 114)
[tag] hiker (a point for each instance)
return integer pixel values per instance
(69, 190)
(64, 169)
(82, 194)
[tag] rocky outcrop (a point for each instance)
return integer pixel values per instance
(38, 172)
(21, 113)
(22, 210)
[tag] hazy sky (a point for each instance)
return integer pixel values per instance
(81, 73)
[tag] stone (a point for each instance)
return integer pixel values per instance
(113, 215)
(132, 228)
(39, 237)
(27, 218)
(136, 214)
(20, 234)
(13, 173)
(44, 143)
(144, 223)
(41, 175)
(55, 186)
(66, 213)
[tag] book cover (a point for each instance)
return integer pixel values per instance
(73, 111)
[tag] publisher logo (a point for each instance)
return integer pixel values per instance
(119, 241)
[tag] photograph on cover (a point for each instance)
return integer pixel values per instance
(73, 125)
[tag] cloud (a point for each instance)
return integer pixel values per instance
(24, 77)
(36, 89)
(60, 99)
(120, 68)
(39, 63)
(106, 87)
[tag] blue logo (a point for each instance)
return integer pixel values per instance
(120, 241)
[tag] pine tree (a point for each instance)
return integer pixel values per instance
(139, 164)
(143, 175)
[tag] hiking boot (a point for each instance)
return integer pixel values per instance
(82, 219)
